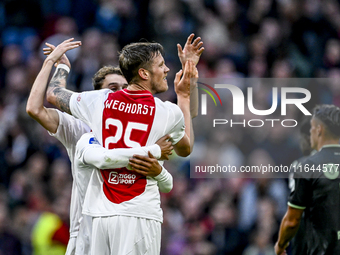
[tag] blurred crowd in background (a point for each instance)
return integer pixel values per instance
(244, 38)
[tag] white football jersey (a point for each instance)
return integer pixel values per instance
(125, 119)
(68, 133)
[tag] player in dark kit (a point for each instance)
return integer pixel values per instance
(298, 243)
(316, 189)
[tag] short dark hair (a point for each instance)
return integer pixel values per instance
(304, 139)
(329, 115)
(305, 125)
(137, 55)
(98, 78)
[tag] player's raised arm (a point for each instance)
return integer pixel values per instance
(47, 117)
(194, 96)
(192, 51)
(182, 88)
(57, 94)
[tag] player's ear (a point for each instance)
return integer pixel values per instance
(320, 129)
(143, 73)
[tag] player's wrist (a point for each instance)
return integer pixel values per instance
(282, 245)
(159, 170)
(185, 98)
(49, 61)
(161, 174)
(156, 151)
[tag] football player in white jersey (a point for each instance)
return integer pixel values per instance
(68, 130)
(90, 153)
(131, 118)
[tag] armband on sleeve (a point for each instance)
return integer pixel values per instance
(63, 66)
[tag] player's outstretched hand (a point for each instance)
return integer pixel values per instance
(57, 54)
(182, 80)
(62, 60)
(166, 147)
(192, 50)
(147, 166)
(279, 250)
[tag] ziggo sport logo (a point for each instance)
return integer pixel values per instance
(239, 103)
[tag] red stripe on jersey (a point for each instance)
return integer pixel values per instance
(127, 120)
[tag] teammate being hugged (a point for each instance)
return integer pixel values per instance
(316, 189)
(126, 208)
(68, 130)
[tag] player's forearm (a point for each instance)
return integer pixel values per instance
(193, 100)
(287, 231)
(186, 147)
(193, 111)
(103, 158)
(48, 118)
(35, 102)
(57, 94)
(164, 181)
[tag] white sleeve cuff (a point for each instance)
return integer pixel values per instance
(164, 181)
(162, 175)
(155, 151)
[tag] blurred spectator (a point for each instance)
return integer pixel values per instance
(64, 28)
(88, 62)
(50, 233)
(109, 49)
(60, 177)
(254, 191)
(332, 54)
(227, 238)
(9, 243)
(260, 245)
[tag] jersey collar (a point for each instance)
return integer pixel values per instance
(137, 92)
(330, 146)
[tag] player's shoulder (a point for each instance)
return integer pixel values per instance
(92, 95)
(169, 106)
(331, 149)
(99, 91)
(307, 163)
(112, 93)
(63, 116)
(296, 163)
(318, 157)
(311, 167)
(67, 119)
(314, 156)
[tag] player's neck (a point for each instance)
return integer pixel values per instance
(327, 142)
(139, 87)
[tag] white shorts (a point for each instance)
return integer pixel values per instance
(125, 235)
(71, 246)
(83, 243)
